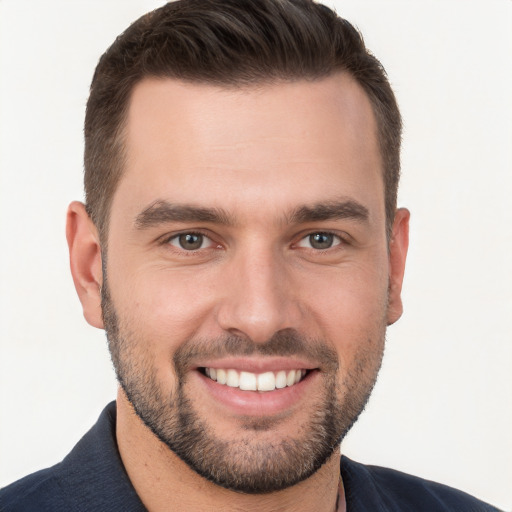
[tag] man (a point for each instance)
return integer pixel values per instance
(242, 248)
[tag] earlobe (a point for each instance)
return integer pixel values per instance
(85, 261)
(398, 246)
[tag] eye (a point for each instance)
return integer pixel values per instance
(320, 240)
(190, 241)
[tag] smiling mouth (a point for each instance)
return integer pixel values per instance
(247, 381)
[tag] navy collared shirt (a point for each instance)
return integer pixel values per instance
(92, 478)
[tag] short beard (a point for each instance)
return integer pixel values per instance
(247, 465)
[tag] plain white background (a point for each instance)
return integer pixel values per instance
(442, 407)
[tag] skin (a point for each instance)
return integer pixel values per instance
(259, 153)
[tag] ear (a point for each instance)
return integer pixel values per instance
(398, 246)
(85, 260)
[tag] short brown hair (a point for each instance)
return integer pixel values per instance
(228, 43)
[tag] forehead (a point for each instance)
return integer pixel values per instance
(275, 144)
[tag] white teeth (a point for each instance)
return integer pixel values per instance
(290, 378)
(233, 380)
(281, 379)
(248, 381)
(266, 381)
(221, 376)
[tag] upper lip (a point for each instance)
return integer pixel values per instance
(257, 365)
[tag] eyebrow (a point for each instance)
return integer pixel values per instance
(161, 212)
(332, 210)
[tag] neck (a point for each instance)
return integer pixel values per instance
(164, 482)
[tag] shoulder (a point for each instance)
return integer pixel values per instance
(396, 491)
(91, 478)
(39, 491)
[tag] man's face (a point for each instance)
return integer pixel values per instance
(247, 284)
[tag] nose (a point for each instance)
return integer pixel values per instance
(259, 297)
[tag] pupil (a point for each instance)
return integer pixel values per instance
(321, 240)
(191, 241)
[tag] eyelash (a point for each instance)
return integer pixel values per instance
(337, 240)
(341, 241)
(168, 239)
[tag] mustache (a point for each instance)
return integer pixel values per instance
(287, 342)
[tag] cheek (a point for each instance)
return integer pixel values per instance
(352, 296)
(166, 307)
(351, 312)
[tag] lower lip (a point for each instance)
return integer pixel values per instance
(258, 403)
